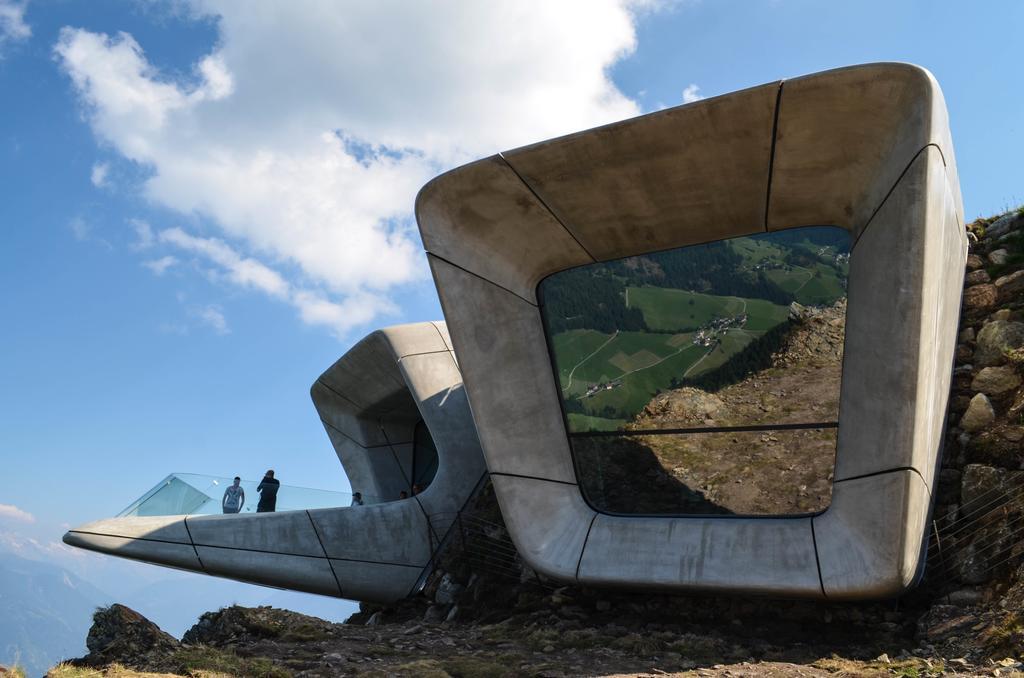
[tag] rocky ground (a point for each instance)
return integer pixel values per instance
(494, 617)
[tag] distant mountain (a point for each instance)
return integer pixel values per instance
(47, 600)
(45, 613)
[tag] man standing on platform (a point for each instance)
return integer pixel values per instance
(268, 493)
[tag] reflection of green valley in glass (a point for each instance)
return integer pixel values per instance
(704, 316)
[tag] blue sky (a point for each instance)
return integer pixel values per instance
(204, 206)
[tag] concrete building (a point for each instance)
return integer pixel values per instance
(865, 149)
(397, 415)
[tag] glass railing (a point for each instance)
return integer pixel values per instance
(194, 494)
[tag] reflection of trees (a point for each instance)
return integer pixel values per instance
(754, 357)
(620, 474)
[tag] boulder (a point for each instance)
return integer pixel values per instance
(1005, 224)
(120, 634)
(996, 381)
(979, 297)
(447, 590)
(979, 414)
(977, 277)
(974, 262)
(994, 338)
(1010, 286)
(979, 482)
(998, 257)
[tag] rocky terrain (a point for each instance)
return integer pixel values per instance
(483, 613)
(769, 472)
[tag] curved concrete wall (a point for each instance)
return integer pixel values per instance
(865, 148)
(369, 401)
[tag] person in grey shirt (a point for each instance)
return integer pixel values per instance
(234, 497)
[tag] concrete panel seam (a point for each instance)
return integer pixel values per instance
(334, 574)
(369, 447)
(771, 155)
(545, 205)
(193, 542)
(433, 324)
(526, 477)
(410, 355)
(817, 560)
(121, 536)
(338, 393)
(379, 562)
(477, 275)
(898, 469)
(892, 188)
(583, 549)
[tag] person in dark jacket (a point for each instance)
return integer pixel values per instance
(268, 493)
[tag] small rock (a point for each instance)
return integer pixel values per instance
(884, 658)
(1002, 314)
(1014, 434)
(980, 297)
(974, 262)
(374, 619)
(549, 648)
(994, 338)
(979, 414)
(977, 277)
(998, 257)
(995, 381)
(1010, 286)
(603, 606)
(963, 353)
(966, 335)
(452, 614)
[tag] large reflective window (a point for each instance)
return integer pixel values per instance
(704, 380)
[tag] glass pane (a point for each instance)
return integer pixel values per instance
(773, 472)
(746, 332)
(196, 494)
(704, 318)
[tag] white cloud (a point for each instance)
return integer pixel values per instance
(80, 229)
(98, 176)
(12, 512)
(314, 307)
(243, 271)
(160, 266)
(144, 237)
(12, 23)
(691, 94)
(213, 317)
(305, 133)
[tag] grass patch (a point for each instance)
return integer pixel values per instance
(65, 670)
(306, 633)
(199, 658)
